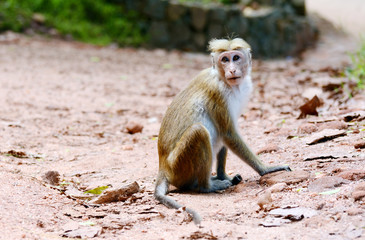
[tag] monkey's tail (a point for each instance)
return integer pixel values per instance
(161, 190)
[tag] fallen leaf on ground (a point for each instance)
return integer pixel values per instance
(274, 222)
(294, 214)
(97, 191)
(330, 192)
(117, 194)
(325, 135)
(83, 232)
(133, 127)
(310, 107)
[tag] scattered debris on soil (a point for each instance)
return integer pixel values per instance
(79, 111)
(117, 194)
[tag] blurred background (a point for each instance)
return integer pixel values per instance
(274, 28)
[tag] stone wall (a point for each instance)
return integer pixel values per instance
(273, 28)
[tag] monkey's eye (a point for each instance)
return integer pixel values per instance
(236, 57)
(225, 59)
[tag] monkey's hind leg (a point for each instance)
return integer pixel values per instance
(221, 168)
(193, 162)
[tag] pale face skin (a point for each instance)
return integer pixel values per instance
(232, 67)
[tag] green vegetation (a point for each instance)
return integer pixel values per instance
(356, 71)
(94, 21)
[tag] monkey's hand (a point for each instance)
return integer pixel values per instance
(275, 169)
(236, 179)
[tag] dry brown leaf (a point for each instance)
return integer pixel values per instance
(310, 107)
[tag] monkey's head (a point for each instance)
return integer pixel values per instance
(232, 59)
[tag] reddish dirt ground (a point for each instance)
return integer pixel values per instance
(65, 106)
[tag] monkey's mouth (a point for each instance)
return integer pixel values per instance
(233, 79)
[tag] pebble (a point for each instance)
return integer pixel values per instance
(52, 177)
(333, 125)
(354, 211)
(271, 147)
(359, 144)
(353, 174)
(359, 192)
(307, 128)
(278, 187)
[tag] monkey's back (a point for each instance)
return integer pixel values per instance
(189, 107)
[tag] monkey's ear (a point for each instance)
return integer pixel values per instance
(213, 59)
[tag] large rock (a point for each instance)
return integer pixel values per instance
(199, 16)
(217, 14)
(200, 41)
(180, 33)
(215, 30)
(236, 23)
(156, 8)
(175, 11)
(299, 7)
(159, 34)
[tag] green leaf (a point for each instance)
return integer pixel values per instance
(167, 66)
(97, 191)
(88, 223)
(330, 192)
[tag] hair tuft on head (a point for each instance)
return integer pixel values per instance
(221, 45)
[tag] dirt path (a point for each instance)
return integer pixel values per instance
(64, 107)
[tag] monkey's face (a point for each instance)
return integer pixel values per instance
(233, 66)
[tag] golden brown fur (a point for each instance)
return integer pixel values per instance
(200, 125)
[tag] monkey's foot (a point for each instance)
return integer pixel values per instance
(276, 169)
(236, 179)
(216, 185)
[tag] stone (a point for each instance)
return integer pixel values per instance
(217, 15)
(180, 32)
(325, 183)
(353, 174)
(199, 17)
(358, 195)
(278, 187)
(236, 24)
(215, 30)
(359, 144)
(354, 211)
(159, 34)
(284, 177)
(52, 177)
(265, 200)
(156, 8)
(271, 147)
(360, 187)
(200, 40)
(307, 128)
(175, 11)
(299, 7)
(333, 125)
